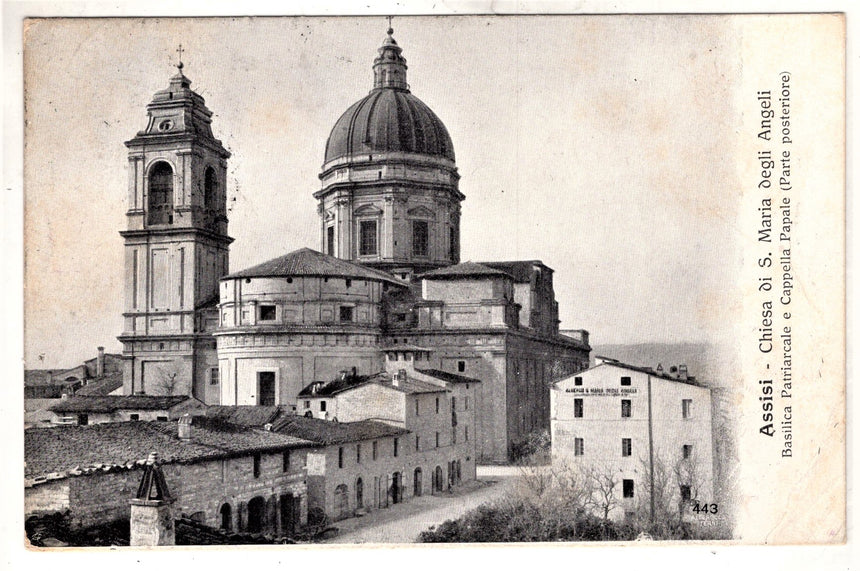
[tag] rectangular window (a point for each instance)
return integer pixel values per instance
(367, 238)
(213, 376)
(453, 246)
(686, 494)
(266, 388)
(416, 406)
(267, 313)
(420, 237)
(461, 366)
(329, 240)
(417, 443)
(162, 418)
(322, 406)
(627, 488)
(257, 461)
(466, 433)
(340, 457)
(466, 403)
(687, 451)
(577, 408)
(373, 450)
(453, 436)
(307, 404)
(437, 405)
(577, 381)
(358, 453)
(626, 408)
(437, 440)
(396, 447)
(345, 313)
(625, 381)
(686, 407)
(135, 417)
(578, 447)
(626, 446)
(286, 461)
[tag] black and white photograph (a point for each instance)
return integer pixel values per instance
(446, 278)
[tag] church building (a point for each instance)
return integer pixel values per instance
(387, 274)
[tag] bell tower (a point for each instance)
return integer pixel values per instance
(176, 247)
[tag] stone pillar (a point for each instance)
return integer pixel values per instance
(152, 509)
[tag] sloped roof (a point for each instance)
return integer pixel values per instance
(113, 403)
(465, 270)
(247, 415)
(521, 270)
(307, 262)
(71, 450)
(607, 361)
(331, 388)
(101, 387)
(34, 377)
(446, 376)
(328, 432)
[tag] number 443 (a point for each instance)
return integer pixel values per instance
(705, 508)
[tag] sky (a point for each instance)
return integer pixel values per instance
(600, 145)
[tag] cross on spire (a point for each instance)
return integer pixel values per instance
(390, 29)
(179, 51)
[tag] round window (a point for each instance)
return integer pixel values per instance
(165, 125)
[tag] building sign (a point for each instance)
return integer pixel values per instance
(601, 392)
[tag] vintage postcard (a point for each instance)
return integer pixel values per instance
(318, 280)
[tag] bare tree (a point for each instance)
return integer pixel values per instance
(168, 382)
(603, 484)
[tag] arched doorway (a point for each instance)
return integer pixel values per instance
(256, 514)
(226, 517)
(359, 494)
(416, 491)
(440, 484)
(396, 488)
(341, 501)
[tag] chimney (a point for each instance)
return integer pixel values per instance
(184, 425)
(659, 368)
(151, 509)
(398, 377)
(682, 371)
(100, 363)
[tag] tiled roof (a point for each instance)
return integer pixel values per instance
(247, 415)
(465, 270)
(101, 387)
(521, 270)
(113, 403)
(331, 388)
(406, 347)
(330, 432)
(72, 450)
(334, 386)
(446, 376)
(307, 262)
(646, 370)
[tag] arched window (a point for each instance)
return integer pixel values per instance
(226, 517)
(359, 494)
(210, 188)
(440, 484)
(161, 194)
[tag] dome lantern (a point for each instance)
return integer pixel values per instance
(389, 67)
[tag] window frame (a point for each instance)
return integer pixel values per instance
(628, 488)
(626, 447)
(686, 408)
(364, 237)
(626, 408)
(420, 240)
(579, 446)
(271, 312)
(578, 408)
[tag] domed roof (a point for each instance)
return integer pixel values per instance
(390, 118)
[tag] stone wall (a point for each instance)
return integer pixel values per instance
(200, 490)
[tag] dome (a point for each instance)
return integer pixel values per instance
(390, 119)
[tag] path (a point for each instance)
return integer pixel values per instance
(403, 522)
